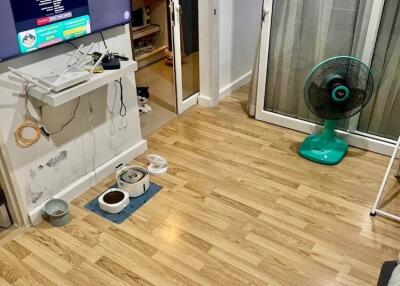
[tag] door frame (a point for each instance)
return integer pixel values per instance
(208, 53)
(354, 137)
(181, 104)
(205, 40)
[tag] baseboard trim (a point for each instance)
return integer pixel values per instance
(235, 85)
(204, 100)
(83, 184)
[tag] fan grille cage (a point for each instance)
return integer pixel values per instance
(346, 71)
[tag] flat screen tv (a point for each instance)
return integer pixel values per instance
(30, 25)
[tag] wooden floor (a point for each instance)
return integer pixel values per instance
(239, 207)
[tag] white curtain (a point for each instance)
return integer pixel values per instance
(382, 115)
(304, 33)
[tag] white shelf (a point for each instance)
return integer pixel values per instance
(151, 57)
(98, 80)
(146, 31)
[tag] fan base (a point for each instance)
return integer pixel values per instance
(317, 149)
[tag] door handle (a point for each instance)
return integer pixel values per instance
(265, 13)
(178, 9)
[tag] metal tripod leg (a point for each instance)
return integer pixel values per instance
(375, 209)
(398, 173)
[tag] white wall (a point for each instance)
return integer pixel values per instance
(209, 63)
(62, 165)
(239, 27)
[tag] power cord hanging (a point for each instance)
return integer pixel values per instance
(123, 110)
(112, 108)
(94, 150)
(29, 123)
(65, 124)
(104, 42)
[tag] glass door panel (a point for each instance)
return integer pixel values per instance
(303, 34)
(190, 47)
(382, 115)
(186, 52)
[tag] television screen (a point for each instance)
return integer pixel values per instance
(31, 25)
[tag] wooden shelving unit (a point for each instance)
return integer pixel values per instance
(151, 57)
(145, 32)
(156, 32)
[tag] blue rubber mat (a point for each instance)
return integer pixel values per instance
(134, 205)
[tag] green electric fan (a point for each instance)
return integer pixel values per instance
(337, 88)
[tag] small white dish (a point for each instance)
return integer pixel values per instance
(157, 171)
(158, 165)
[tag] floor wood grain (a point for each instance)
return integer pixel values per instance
(239, 207)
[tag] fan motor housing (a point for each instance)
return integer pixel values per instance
(339, 91)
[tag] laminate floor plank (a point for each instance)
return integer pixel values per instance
(238, 207)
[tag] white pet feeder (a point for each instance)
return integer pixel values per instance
(134, 180)
(114, 201)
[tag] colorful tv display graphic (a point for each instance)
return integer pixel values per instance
(42, 23)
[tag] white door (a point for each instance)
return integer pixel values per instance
(185, 25)
(297, 35)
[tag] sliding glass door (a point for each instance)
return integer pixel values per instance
(303, 34)
(299, 34)
(382, 115)
(190, 47)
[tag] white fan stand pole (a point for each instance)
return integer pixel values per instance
(376, 209)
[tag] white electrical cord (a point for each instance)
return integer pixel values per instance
(29, 123)
(123, 120)
(91, 115)
(111, 110)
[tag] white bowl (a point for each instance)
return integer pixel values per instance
(114, 204)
